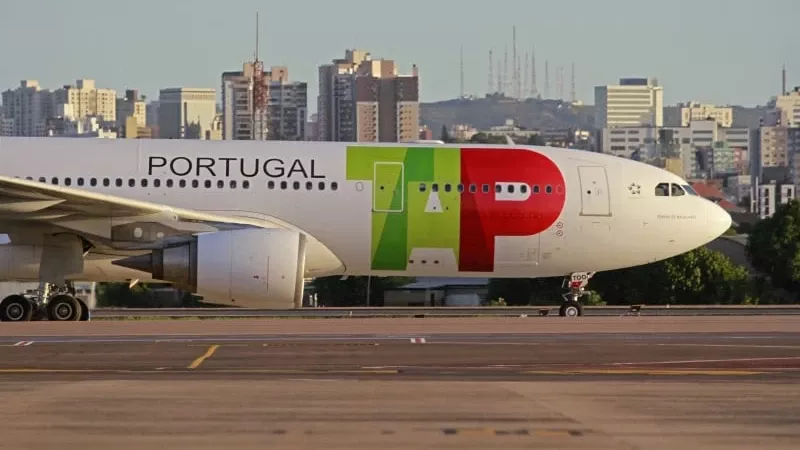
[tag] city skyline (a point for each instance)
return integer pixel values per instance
(697, 61)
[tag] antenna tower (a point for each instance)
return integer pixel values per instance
(572, 94)
(259, 93)
(783, 80)
(560, 82)
(491, 74)
(546, 79)
(515, 75)
(505, 71)
(534, 89)
(462, 71)
(525, 76)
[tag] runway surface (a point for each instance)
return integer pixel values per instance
(599, 383)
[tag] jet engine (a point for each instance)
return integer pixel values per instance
(250, 268)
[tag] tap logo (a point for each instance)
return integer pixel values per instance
(458, 199)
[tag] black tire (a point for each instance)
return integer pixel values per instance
(64, 308)
(15, 308)
(571, 309)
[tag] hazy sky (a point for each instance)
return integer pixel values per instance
(718, 51)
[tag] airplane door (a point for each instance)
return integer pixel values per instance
(595, 199)
(388, 190)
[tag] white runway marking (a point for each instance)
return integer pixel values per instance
(690, 361)
(23, 343)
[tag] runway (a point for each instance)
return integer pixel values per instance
(434, 383)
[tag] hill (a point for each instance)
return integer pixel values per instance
(483, 113)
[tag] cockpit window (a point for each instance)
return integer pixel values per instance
(690, 190)
(676, 190)
(662, 190)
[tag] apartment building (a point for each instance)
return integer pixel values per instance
(132, 105)
(84, 100)
(694, 111)
(186, 113)
(25, 110)
(634, 102)
(366, 100)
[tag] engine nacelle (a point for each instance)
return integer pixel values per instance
(250, 268)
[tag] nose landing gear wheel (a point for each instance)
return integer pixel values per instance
(64, 308)
(571, 309)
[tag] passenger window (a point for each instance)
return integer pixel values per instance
(498, 188)
(309, 185)
(246, 184)
(422, 187)
(284, 185)
(485, 188)
(460, 187)
(93, 182)
(270, 184)
(67, 181)
(334, 186)
(435, 187)
(296, 185)
(473, 188)
(548, 189)
(662, 190)
(170, 183)
(42, 180)
(195, 184)
(510, 188)
(80, 181)
(207, 184)
(182, 183)
(676, 190)
(524, 188)
(535, 188)
(157, 182)
(233, 184)
(447, 187)
(321, 186)
(144, 182)
(131, 182)
(220, 184)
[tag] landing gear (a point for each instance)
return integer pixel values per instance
(56, 303)
(577, 284)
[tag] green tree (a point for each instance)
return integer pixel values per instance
(445, 135)
(700, 276)
(333, 291)
(773, 244)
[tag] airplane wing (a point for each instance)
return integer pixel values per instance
(106, 219)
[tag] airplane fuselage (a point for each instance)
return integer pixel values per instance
(399, 209)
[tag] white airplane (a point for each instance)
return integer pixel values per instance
(245, 222)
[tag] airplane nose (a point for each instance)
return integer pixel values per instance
(717, 219)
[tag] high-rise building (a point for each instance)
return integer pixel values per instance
(241, 118)
(634, 102)
(86, 100)
(186, 113)
(365, 100)
(287, 106)
(131, 106)
(25, 110)
(691, 111)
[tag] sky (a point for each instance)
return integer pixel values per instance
(712, 51)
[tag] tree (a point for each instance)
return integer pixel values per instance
(333, 291)
(700, 276)
(445, 137)
(773, 246)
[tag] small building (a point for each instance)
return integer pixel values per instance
(439, 292)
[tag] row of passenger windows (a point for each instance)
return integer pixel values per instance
(673, 190)
(182, 183)
(498, 188)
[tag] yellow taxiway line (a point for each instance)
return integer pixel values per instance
(196, 363)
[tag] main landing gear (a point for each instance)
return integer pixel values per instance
(577, 284)
(51, 302)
